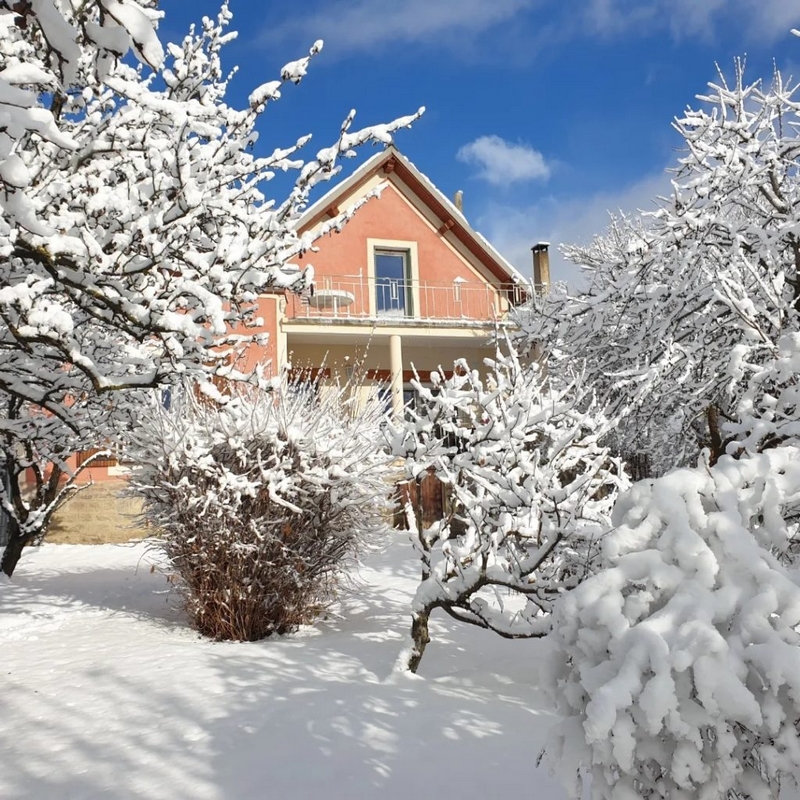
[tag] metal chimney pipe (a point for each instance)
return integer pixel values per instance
(541, 267)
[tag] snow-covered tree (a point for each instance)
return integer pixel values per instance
(136, 234)
(529, 490)
(679, 299)
(46, 52)
(768, 409)
(677, 668)
(159, 236)
(261, 503)
(38, 470)
(46, 49)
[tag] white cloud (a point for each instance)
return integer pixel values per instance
(513, 231)
(763, 20)
(502, 163)
(771, 19)
(369, 24)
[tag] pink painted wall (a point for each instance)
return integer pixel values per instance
(391, 217)
(92, 474)
(266, 356)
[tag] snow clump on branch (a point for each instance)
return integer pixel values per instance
(677, 668)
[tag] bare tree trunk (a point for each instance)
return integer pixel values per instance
(716, 444)
(13, 549)
(420, 637)
(638, 465)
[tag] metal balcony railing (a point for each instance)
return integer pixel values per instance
(362, 298)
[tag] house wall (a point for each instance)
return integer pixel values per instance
(438, 258)
(273, 354)
(391, 220)
(376, 357)
(376, 364)
(96, 515)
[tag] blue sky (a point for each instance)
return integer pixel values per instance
(546, 113)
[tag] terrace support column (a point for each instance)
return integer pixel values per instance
(396, 368)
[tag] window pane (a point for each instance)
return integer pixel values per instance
(390, 266)
(391, 283)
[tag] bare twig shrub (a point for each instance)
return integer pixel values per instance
(261, 502)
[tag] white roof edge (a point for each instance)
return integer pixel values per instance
(484, 243)
(340, 188)
(343, 187)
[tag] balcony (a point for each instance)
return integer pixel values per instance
(397, 301)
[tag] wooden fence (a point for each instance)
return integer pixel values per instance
(427, 493)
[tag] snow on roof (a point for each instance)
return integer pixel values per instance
(340, 188)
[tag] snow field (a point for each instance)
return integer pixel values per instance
(109, 694)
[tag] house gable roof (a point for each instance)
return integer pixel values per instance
(391, 162)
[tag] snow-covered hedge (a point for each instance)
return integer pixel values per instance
(261, 502)
(677, 669)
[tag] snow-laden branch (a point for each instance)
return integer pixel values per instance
(680, 298)
(528, 491)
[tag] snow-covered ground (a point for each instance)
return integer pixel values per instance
(107, 693)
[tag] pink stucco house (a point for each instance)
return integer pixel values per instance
(407, 284)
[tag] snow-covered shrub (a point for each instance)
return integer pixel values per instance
(261, 502)
(529, 490)
(677, 668)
